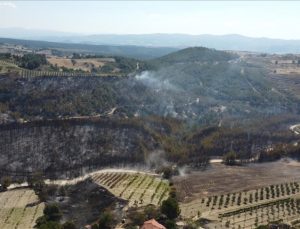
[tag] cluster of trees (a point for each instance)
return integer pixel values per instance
(31, 61)
(107, 220)
(124, 64)
(166, 214)
(37, 183)
(5, 183)
(273, 153)
(230, 158)
(5, 56)
(51, 219)
(278, 151)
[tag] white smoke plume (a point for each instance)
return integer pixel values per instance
(152, 79)
(164, 90)
(156, 159)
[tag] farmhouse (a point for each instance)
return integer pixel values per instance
(152, 224)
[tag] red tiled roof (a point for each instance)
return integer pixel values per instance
(152, 224)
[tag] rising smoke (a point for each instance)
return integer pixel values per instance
(156, 159)
(163, 90)
(153, 80)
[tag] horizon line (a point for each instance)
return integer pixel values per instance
(132, 34)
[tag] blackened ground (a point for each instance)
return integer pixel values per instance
(84, 202)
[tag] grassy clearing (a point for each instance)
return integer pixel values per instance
(139, 189)
(19, 209)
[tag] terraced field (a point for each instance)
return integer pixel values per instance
(248, 209)
(19, 209)
(139, 189)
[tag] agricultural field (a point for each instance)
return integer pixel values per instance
(254, 195)
(278, 64)
(13, 69)
(249, 208)
(284, 72)
(139, 189)
(19, 209)
(224, 179)
(286, 67)
(6, 67)
(79, 64)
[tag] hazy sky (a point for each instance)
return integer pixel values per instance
(276, 19)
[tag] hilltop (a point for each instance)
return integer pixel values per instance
(194, 54)
(201, 82)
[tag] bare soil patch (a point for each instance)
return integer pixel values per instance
(220, 179)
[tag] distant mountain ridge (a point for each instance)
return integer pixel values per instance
(220, 42)
(132, 51)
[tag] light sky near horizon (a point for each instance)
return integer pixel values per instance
(274, 19)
